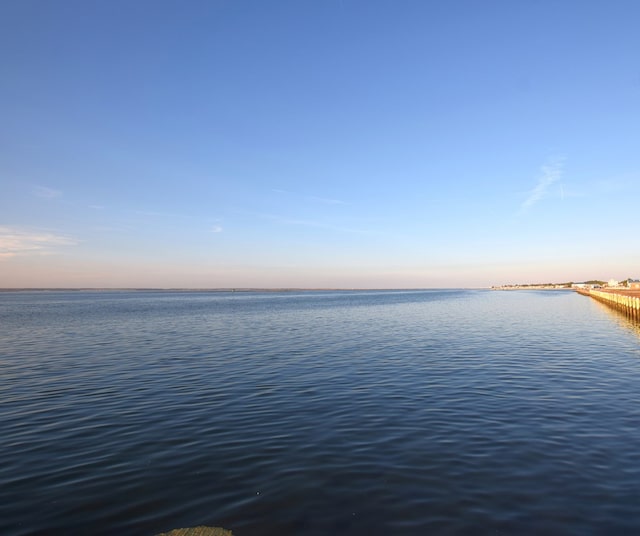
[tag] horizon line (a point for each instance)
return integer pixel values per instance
(229, 289)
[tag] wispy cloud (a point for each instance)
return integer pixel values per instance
(216, 229)
(15, 241)
(285, 220)
(45, 192)
(154, 213)
(326, 200)
(313, 198)
(549, 174)
(320, 225)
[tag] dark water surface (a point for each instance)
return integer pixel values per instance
(431, 412)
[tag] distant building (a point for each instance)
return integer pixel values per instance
(613, 283)
(580, 285)
(634, 283)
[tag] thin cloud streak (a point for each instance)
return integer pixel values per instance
(15, 241)
(314, 198)
(326, 200)
(45, 192)
(156, 214)
(283, 220)
(550, 173)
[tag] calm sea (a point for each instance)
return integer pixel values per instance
(316, 413)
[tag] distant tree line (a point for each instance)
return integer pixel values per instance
(569, 284)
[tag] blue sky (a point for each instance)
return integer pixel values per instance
(328, 143)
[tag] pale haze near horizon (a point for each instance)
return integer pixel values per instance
(334, 143)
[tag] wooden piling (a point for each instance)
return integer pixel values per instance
(625, 301)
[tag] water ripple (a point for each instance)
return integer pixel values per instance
(439, 412)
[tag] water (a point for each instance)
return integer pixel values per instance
(432, 412)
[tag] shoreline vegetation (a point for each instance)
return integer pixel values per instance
(629, 286)
(535, 286)
(593, 283)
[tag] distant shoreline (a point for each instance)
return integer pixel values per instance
(531, 287)
(230, 290)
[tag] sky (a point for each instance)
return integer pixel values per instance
(318, 143)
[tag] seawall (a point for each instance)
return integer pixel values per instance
(625, 301)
